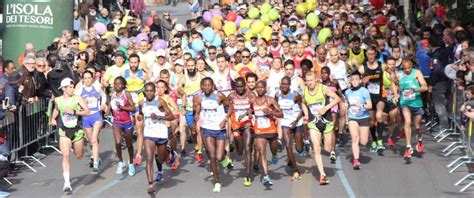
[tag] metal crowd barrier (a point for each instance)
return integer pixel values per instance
(27, 126)
(457, 128)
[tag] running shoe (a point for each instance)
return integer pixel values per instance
(198, 157)
(274, 159)
(151, 189)
(67, 188)
(380, 145)
(267, 182)
(91, 163)
(172, 159)
(231, 147)
(301, 154)
(95, 167)
(256, 169)
(280, 145)
(247, 181)
(183, 153)
(390, 142)
(332, 157)
(307, 145)
(290, 165)
(323, 180)
(373, 147)
(296, 176)
(419, 147)
(356, 164)
(119, 168)
(159, 176)
(175, 164)
(227, 162)
(408, 152)
(131, 169)
(217, 188)
(401, 134)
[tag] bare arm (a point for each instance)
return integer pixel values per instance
(168, 114)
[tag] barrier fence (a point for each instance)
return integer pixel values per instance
(458, 124)
(28, 125)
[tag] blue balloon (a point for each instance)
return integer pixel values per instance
(192, 52)
(217, 42)
(197, 45)
(184, 43)
(208, 34)
(244, 30)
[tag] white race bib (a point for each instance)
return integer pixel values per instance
(374, 88)
(239, 113)
(409, 96)
(355, 110)
(263, 122)
(114, 105)
(315, 108)
(210, 115)
(91, 102)
(69, 121)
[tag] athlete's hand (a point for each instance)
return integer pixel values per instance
(305, 118)
(53, 122)
(242, 117)
(266, 110)
(395, 99)
(222, 124)
(155, 117)
(323, 110)
(293, 124)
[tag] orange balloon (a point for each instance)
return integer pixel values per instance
(216, 23)
(228, 2)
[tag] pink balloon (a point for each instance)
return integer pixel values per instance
(100, 27)
(159, 44)
(237, 21)
(149, 21)
(216, 12)
(207, 16)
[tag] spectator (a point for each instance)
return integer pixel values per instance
(60, 71)
(42, 86)
(104, 17)
(167, 25)
(27, 80)
(7, 97)
(91, 17)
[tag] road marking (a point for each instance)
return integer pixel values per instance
(342, 176)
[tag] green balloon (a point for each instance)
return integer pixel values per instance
(323, 35)
(312, 19)
(274, 14)
(265, 19)
(253, 13)
(265, 8)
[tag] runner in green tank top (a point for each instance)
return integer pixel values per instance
(314, 97)
(411, 85)
(391, 111)
(68, 107)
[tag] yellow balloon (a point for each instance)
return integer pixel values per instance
(245, 23)
(257, 27)
(266, 33)
(230, 28)
(311, 6)
(248, 35)
(301, 9)
(265, 19)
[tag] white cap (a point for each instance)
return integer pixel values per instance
(179, 27)
(66, 82)
(179, 62)
(160, 52)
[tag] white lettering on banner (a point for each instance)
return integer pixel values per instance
(29, 15)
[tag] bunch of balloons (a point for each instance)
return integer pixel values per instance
(303, 8)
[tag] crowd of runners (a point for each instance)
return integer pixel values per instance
(239, 89)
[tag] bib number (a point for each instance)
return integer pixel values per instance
(69, 121)
(409, 95)
(263, 122)
(315, 108)
(374, 88)
(92, 102)
(239, 113)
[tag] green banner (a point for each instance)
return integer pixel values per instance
(34, 21)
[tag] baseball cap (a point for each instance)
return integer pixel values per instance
(119, 54)
(179, 62)
(292, 22)
(66, 82)
(160, 52)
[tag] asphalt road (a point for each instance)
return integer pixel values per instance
(381, 176)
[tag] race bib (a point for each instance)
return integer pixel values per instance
(239, 113)
(263, 122)
(92, 102)
(287, 112)
(409, 95)
(69, 121)
(113, 104)
(342, 83)
(263, 68)
(134, 97)
(315, 108)
(389, 94)
(210, 115)
(355, 110)
(374, 88)
(189, 101)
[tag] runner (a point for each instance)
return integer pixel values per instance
(315, 98)
(360, 103)
(209, 107)
(391, 111)
(291, 123)
(264, 109)
(155, 112)
(188, 86)
(122, 104)
(96, 101)
(412, 84)
(240, 100)
(68, 107)
(373, 80)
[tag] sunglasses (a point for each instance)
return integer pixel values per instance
(40, 65)
(75, 43)
(245, 56)
(173, 54)
(343, 54)
(212, 53)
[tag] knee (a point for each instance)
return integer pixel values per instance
(407, 123)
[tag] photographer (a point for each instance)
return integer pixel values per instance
(61, 70)
(7, 97)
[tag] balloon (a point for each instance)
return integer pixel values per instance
(230, 28)
(217, 42)
(244, 30)
(323, 34)
(216, 23)
(100, 27)
(197, 45)
(238, 20)
(248, 35)
(232, 16)
(208, 34)
(274, 14)
(149, 21)
(228, 2)
(377, 4)
(257, 27)
(192, 52)
(312, 19)
(253, 13)
(207, 16)
(265, 19)
(184, 43)
(265, 8)
(301, 9)
(245, 23)
(266, 33)
(159, 44)
(216, 12)
(142, 36)
(311, 4)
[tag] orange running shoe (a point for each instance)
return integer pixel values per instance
(390, 142)
(419, 147)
